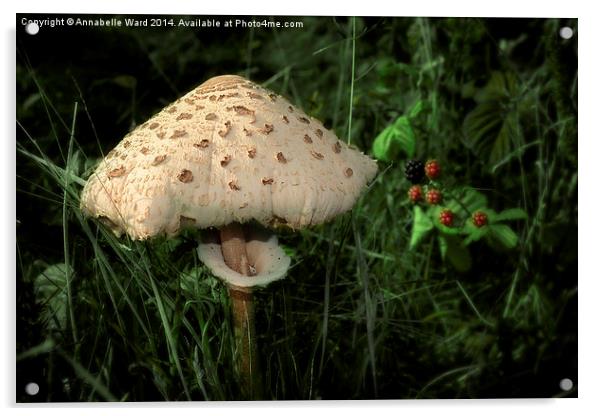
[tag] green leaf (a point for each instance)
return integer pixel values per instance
(474, 233)
(416, 109)
(422, 226)
(448, 230)
(455, 252)
(394, 139)
(467, 199)
(50, 288)
(383, 147)
(502, 144)
(504, 235)
(510, 214)
(192, 283)
(386, 67)
(501, 85)
(490, 129)
(43, 348)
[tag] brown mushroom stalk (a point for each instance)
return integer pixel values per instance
(234, 250)
(245, 342)
(266, 262)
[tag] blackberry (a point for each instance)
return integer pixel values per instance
(415, 193)
(446, 217)
(414, 171)
(479, 219)
(432, 169)
(433, 196)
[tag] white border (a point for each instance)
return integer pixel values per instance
(434, 8)
(589, 168)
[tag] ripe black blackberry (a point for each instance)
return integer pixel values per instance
(414, 171)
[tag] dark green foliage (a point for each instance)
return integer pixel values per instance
(475, 312)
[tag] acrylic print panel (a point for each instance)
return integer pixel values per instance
(295, 208)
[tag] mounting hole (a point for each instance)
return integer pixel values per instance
(566, 384)
(32, 389)
(565, 32)
(32, 28)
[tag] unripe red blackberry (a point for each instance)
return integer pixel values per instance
(433, 196)
(432, 169)
(415, 193)
(414, 171)
(446, 217)
(479, 219)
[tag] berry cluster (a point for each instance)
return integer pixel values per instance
(416, 171)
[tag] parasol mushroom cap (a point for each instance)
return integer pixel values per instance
(270, 262)
(227, 151)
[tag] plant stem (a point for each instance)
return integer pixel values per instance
(68, 271)
(246, 358)
(352, 82)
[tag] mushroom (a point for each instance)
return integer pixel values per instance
(226, 154)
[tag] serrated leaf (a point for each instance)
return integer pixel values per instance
(473, 199)
(491, 127)
(504, 235)
(448, 230)
(502, 144)
(474, 233)
(500, 86)
(421, 227)
(394, 139)
(510, 214)
(455, 252)
(469, 199)
(50, 289)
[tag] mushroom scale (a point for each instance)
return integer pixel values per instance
(227, 151)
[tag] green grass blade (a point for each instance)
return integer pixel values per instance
(472, 305)
(352, 82)
(86, 376)
(68, 269)
(173, 346)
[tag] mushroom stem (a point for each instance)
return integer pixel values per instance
(246, 357)
(234, 248)
(243, 314)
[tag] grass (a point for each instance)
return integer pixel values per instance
(360, 315)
